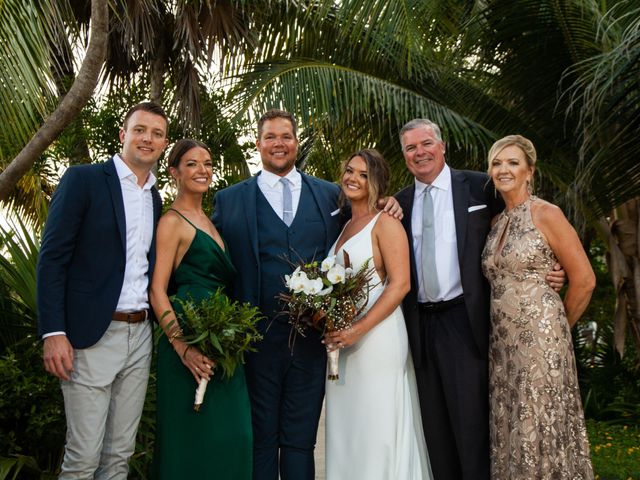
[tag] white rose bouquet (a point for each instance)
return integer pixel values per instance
(326, 296)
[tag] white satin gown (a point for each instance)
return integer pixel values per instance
(373, 423)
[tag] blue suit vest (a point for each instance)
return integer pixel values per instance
(278, 243)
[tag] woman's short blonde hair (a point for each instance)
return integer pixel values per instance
(519, 141)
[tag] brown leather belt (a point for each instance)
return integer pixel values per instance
(131, 317)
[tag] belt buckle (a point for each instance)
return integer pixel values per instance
(428, 306)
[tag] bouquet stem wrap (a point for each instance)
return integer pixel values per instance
(332, 364)
(200, 391)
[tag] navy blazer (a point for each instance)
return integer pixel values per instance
(469, 189)
(83, 253)
(234, 216)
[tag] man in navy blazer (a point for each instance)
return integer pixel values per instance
(93, 272)
(263, 230)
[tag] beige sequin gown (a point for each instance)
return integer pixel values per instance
(536, 420)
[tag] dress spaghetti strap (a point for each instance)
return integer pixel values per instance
(185, 218)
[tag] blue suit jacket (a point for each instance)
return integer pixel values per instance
(82, 258)
(235, 217)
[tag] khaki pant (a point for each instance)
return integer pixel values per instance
(103, 402)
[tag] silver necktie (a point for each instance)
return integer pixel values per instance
(287, 203)
(429, 272)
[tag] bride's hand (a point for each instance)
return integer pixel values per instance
(198, 364)
(343, 338)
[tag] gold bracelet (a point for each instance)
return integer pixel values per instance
(175, 333)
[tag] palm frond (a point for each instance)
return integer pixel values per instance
(26, 87)
(20, 247)
(606, 95)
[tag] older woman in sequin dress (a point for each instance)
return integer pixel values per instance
(536, 419)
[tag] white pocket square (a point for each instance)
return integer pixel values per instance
(476, 207)
(335, 212)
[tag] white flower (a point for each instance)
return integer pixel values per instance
(327, 263)
(312, 287)
(336, 274)
(325, 291)
(348, 272)
(298, 282)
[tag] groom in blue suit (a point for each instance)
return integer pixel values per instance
(95, 262)
(277, 215)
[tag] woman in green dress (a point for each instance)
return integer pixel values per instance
(192, 263)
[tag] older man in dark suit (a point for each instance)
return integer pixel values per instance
(93, 272)
(448, 215)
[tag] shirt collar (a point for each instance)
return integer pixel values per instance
(271, 179)
(442, 181)
(123, 171)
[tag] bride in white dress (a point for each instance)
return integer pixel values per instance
(373, 425)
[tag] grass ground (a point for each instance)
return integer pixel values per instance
(615, 451)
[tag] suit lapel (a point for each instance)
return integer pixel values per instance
(157, 210)
(324, 212)
(460, 190)
(249, 195)
(115, 190)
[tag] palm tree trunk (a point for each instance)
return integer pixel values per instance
(623, 231)
(158, 66)
(64, 75)
(69, 107)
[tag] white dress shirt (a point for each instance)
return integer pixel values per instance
(446, 248)
(138, 212)
(271, 187)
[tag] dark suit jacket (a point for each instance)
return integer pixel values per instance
(468, 189)
(234, 216)
(82, 258)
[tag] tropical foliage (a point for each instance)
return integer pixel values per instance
(564, 73)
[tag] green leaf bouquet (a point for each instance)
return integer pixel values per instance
(223, 329)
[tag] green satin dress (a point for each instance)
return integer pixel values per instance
(216, 442)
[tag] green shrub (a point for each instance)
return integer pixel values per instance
(610, 385)
(32, 421)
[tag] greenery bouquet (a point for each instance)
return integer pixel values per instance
(326, 296)
(223, 330)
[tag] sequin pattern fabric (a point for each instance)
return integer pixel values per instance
(536, 419)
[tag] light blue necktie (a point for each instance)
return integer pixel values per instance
(429, 272)
(287, 203)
